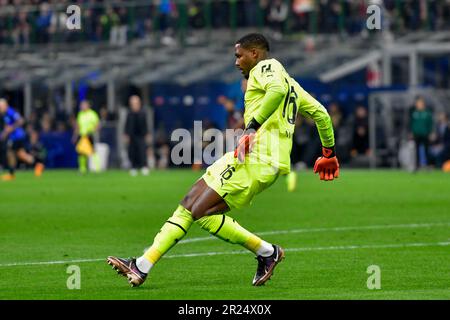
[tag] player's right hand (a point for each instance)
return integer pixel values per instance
(245, 146)
(328, 165)
(6, 131)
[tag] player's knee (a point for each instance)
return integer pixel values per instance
(197, 212)
(187, 203)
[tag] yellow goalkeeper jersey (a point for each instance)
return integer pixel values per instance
(87, 122)
(273, 141)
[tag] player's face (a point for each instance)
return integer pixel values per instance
(84, 106)
(3, 106)
(420, 104)
(135, 103)
(245, 60)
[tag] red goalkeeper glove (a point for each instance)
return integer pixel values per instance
(247, 141)
(327, 166)
(245, 146)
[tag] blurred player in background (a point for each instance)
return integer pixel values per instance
(87, 125)
(136, 133)
(440, 140)
(272, 101)
(421, 122)
(35, 147)
(3, 162)
(15, 137)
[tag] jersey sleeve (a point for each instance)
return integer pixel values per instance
(269, 76)
(309, 107)
(96, 117)
(15, 116)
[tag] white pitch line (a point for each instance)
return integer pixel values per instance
(206, 254)
(333, 229)
(349, 247)
(19, 264)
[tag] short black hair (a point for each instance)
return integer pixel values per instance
(254, 40)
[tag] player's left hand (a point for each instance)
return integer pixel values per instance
(327, 166)
(245, 146)
(6, 131)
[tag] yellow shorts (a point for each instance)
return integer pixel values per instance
(237, 183)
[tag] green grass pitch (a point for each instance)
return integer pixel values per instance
(332, 233)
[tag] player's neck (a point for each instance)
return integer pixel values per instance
(263, 56)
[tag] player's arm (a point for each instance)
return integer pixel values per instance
(97, 122)
(327, 165)
(270, 79)
(76, 130)
(18, 122)
(4, 133)
(127, 129)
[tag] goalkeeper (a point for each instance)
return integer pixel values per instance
(272, 101)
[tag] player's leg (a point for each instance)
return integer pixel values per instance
(172, 231)
(206, 206)
(82, 157)
(291, 180)
(3, 161)
(10, 164)
(207, 209)
(211, 200)
(24, 156)
(417, 142)
(95, 157)
(82, 163)
(426, 147)
(142, 157)
(211, 218)
(132, 156)
(17, 152)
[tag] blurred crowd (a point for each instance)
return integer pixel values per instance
(54, 136)
(351, 136)
(37, 21)
(429, 134)
(428, 131)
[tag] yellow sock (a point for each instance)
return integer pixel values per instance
(292, 181)
(171, 232)
(82, 163)
(96, 161)
(226, 228)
